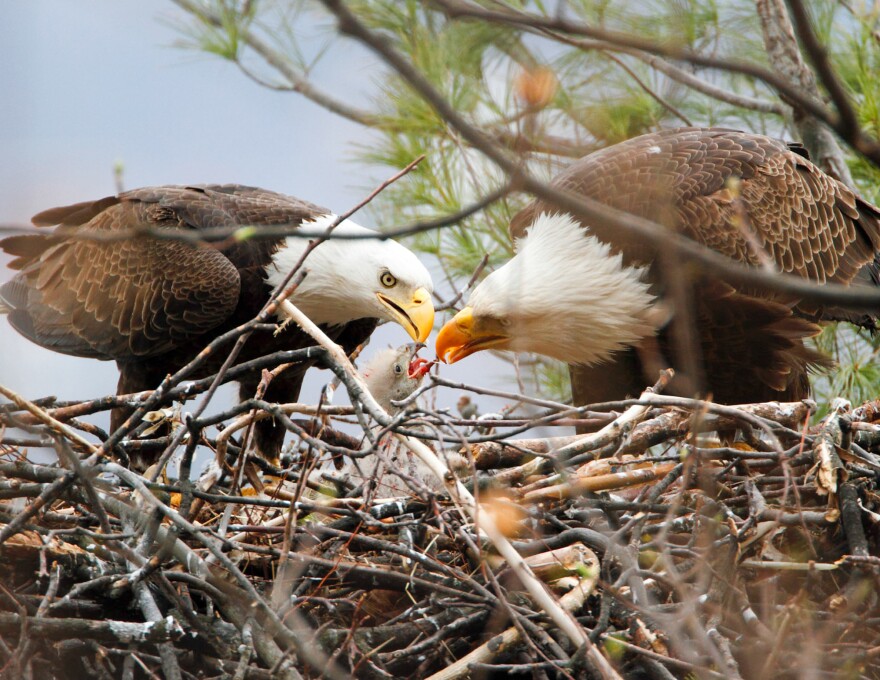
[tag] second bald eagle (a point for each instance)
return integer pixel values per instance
(596, 298)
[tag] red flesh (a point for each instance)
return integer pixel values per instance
(419, 367)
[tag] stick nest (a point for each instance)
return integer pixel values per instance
(681, 554)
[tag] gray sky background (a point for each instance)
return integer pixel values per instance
(88, 84)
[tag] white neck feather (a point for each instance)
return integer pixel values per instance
(566, 295)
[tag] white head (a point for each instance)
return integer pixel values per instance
(564, 295)
(351, 279)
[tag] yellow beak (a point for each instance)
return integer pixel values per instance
(458, 338)
(416, 315)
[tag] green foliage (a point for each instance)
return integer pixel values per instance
(224, 40)
(615, 121)
(551, 378)
(857, 60)
(856, 376)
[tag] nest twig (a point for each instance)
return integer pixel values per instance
(675, 554)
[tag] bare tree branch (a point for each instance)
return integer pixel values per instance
(297, 81)
(782, 48)
(860, 141)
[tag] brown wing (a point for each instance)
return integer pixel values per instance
(735, 193)
(138, 297)
(657, 176)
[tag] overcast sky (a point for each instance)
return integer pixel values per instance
(86, 85)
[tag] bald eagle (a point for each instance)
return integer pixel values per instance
(599, 300)
(152, 304)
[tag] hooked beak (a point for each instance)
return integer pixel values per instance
(416, 315)
(458, 338)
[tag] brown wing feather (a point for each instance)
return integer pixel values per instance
(218, 205)
(140, 297)
(656, 176)
(807, 222)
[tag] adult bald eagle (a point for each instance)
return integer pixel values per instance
(151, 305)
(597, 299)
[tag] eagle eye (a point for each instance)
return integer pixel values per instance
(388, 279)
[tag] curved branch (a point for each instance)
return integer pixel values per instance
(856, 138)
(298, 83)
(785, 56)
(675, 73)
